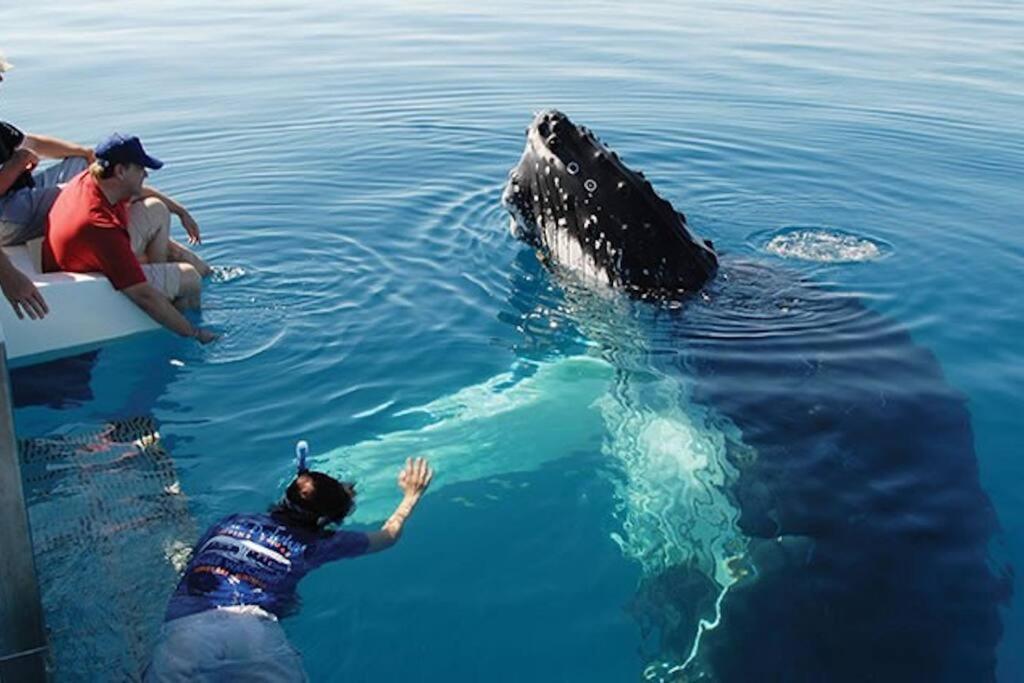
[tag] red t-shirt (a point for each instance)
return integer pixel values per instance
(85, 233)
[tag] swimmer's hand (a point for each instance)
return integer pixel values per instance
(413, 480)
(415, 477)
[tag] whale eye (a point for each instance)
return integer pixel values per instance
(573, 168)
(590, 184)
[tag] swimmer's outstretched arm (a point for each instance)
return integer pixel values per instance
(413, 480)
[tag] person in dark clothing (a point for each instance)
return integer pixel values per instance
(26, 198)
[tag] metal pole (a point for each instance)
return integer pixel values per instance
(23, 647)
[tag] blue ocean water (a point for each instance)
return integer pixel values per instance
(346, 164)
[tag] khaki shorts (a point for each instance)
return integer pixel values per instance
(145, 219)
(164, 276)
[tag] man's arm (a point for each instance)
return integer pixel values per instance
(413, 480)
(55, 148)
(20, 290)
(187, 222)
(22, 160)
(153, 302)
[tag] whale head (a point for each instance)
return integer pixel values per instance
(574, 200)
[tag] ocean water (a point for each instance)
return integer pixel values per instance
(614, 477)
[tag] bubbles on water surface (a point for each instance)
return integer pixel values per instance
(823, 246)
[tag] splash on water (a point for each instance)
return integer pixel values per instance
(222, 274)
(823, 246)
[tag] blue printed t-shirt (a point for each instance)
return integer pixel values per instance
(256, 560)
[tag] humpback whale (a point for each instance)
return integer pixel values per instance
(865, 534)
(574, 199)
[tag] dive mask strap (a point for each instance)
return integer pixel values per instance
(301, 465)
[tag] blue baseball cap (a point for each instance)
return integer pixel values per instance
(119, 149)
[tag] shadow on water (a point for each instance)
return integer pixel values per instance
(57, 384)
(133, 381)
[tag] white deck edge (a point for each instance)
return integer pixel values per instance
(85, 312)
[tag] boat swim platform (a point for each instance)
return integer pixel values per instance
(86, 312)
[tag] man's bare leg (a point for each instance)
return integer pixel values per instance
(149, 225)
(179, 253)
(191, 289)
(179, 282)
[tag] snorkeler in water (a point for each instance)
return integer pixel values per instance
(222, 621)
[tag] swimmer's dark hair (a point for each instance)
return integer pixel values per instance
(319, 494)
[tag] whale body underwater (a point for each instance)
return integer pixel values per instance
(865, 532)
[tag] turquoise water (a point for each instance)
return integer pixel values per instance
(346, 165)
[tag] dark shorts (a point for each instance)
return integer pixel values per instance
(23, 212)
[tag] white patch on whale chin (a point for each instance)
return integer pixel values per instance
(518, 226)
(515, 228)
(570, 254)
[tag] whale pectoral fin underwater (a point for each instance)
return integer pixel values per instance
(467, 434)
(574, 200)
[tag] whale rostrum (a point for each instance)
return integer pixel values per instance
(575, 201)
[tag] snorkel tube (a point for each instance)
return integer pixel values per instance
(301, 453)
(320, 499)
(294, 508)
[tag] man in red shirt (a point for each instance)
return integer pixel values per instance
(88, 231)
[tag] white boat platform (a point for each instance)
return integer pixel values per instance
(85, 312)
